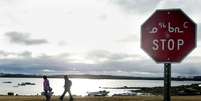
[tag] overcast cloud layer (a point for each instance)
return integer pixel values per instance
(23, 38)
(86, 37)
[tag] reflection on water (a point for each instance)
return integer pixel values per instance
(79, 86)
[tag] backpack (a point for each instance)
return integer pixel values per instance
(68, 84)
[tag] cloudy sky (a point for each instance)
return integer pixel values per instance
(86, 37)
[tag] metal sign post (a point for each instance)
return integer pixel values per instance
(167, 82)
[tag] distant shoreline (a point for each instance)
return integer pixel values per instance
(87, 76)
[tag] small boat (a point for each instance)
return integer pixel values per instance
(99, 93)
(25, 83)
(29, 83)
(7, 82)
(10, 93)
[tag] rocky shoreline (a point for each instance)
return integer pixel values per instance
(183, 90)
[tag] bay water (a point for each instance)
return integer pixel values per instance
(80, 87)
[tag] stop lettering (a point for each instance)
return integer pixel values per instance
(167, 44)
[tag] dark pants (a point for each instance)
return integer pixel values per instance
(48, 97)
(69, 92)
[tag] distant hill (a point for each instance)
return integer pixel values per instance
(89, 76)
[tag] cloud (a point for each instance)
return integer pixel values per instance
(115, 64)
(5, 54)
(24, 38)
(62, 43)
(137, 6)
(103, 56)
(35, 65)
(130, 38)
(47, 70)
(26, 54)
(56, 64)
(187, 69)
(103, 17)
(199, 32)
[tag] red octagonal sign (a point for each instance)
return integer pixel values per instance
(168, 35)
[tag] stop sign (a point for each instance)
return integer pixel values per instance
(168, 35)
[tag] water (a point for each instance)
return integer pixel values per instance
(79, 86)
